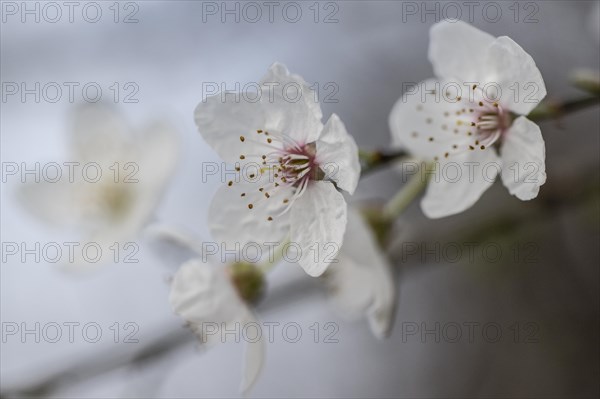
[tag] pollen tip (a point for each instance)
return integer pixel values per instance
(250, 206)
(242, 139)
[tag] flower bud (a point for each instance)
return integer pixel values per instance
(248, 280)
(587, 80)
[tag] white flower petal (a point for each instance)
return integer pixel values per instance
(175, 237)
(232, 222)
(338, 155)
(427, 125)
(317, 225)
(457, 51)
(460, 182)
(285, 106)
(362, 282)
(53, 203)
(516, 74)
(292, 94)
(223, 121)
(201, 293)
(142, 183)
(99, 133)
(253, 356)
(523, 159)
(158, 149)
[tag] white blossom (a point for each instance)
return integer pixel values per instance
(290, 167)
(118, 176)
(362, 284)
(482, 124)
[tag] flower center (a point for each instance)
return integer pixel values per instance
(285, 168)
(467, 124)
(106, 201)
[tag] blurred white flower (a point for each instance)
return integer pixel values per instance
(205, 296)
(362, 282)
(212, 298)
(471, 127)
(116, 181)
(289, 167)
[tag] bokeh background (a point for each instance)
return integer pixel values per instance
(372, 49)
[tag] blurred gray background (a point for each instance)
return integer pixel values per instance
(373, 48)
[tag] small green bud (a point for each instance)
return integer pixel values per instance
(586, 79)
(249, 281)
(380, 224)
